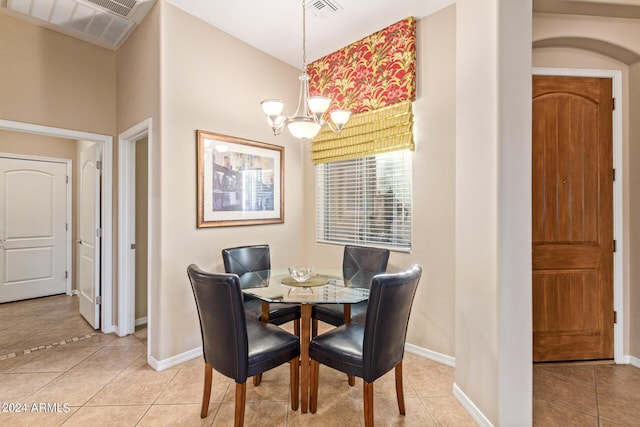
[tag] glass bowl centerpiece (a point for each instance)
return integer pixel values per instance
(301, 273)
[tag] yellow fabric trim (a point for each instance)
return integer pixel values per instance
(373, 132)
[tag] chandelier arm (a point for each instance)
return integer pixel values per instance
(307, 120)
(332, 126)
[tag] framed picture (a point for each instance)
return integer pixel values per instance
(240, 182)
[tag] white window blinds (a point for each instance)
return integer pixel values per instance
(366, 201)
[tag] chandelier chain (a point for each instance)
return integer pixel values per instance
(304, 38)
(308, 119)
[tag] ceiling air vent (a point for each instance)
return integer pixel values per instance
(106, 23)
(323, 8)
(121, 7)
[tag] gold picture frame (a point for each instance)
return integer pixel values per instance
(240, 182)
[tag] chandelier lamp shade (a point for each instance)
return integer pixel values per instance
(308, 119)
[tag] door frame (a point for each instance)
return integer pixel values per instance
(618, 223)
(106, 143)
(126, 229)
(69, 208)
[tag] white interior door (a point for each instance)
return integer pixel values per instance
(33, 230)
(89, 235)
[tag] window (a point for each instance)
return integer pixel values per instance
(366, 201)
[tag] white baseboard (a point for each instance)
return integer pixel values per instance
(431, 355)
(634, 361)
(472, 409)
(161, 365)
(141, 321)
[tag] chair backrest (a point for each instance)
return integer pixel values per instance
(385, 331)
(248, 259)
(245, 259)
(222, 321)
(360, 264)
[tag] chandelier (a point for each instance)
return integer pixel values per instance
(307, 121)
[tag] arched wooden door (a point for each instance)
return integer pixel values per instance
(572, 218)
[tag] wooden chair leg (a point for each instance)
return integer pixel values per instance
(368, 403)
(241, 397)
(314, 328)
(294, 367)
(296, 327)
(206, 394)
(399, 388)
(351, 379)
(257, 379)
(313, 392)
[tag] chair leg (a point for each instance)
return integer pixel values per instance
(257, 379)
(314, 328)
(399, 388)
(368, 403)
(206, 393)
(313, 392)
(351, 379)
(296, 327)
(294, 366)
(241, 397)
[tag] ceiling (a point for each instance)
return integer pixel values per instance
(274, 27)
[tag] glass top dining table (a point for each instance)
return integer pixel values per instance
(325, 287)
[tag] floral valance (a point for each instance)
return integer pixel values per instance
(374, 72)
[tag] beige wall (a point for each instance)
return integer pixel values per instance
(432, 323)
(52, 79)
(622, 33)
(213, 82)
(138, 99)
(48, 146)
(493, 209)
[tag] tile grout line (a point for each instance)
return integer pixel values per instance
(48, 346)
(595, 387)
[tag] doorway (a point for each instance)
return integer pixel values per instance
(35, 240)
(105, 144)
(134, 221)
(574, 328)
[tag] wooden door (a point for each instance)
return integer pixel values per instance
(33, 229)
(572, 219)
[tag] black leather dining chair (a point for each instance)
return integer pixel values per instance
(372, 349)
(234, 346)
(257, 258)
(359, 265)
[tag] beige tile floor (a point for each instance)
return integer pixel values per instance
(96, 379)
(586, 395)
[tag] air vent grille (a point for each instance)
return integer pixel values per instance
(121, 7)
(323, 8)
(91, 20)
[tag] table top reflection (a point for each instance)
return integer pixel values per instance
(278, 287)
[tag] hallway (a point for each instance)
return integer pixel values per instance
(35, 324)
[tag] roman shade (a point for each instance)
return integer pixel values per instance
(374, 78)
(373, 132)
